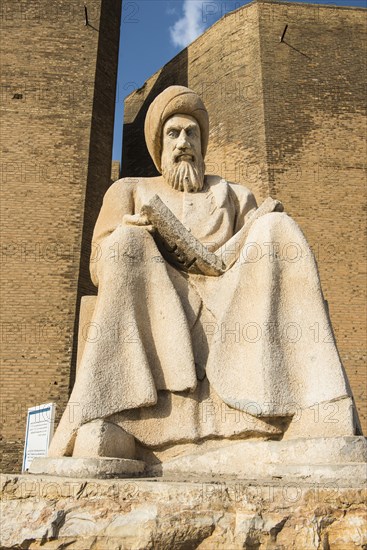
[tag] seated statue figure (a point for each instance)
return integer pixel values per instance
(200, 348)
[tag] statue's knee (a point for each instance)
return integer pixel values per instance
(138, 233)
(277, 220)
(275, 227)
(127, 244)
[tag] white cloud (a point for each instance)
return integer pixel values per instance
(190, 26)
(171, 8)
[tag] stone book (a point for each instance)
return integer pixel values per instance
(177, 245)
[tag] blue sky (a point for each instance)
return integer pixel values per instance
(154, 31)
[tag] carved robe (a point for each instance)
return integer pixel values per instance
(171, 342)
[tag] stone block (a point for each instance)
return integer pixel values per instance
(103, 439)
(339, 460)
(86, 468)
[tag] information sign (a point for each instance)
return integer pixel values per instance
(39, 431)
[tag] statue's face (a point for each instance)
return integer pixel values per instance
(182, 161)
(181, 138)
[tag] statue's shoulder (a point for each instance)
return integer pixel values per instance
(244, 196)
(125, 183)
(241, 192)
(232, 190)
(127, 186)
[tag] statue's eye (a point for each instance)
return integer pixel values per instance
(173, 133)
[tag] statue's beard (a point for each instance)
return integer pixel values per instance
(184, 175)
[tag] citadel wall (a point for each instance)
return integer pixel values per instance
(58, 100)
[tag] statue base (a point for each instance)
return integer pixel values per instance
(55, 512)
(102, 468)
(322, 459)
(336, 459)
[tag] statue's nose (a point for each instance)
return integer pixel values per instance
(183, 142)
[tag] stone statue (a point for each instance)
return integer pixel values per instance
(186, 357)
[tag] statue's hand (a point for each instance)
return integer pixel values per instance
(138, 219)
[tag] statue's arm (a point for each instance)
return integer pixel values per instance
(117, 203)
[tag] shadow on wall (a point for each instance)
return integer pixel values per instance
(100, 149)
(136, 160)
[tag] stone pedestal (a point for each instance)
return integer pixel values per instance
(55, 513)
(334, 459)
(87, 468)
(299, 494)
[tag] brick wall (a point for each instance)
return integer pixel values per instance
(287, 119)
(315, 126)
(57, 109)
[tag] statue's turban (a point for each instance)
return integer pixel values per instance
(173, 101)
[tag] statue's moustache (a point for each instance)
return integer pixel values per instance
(189, 157)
